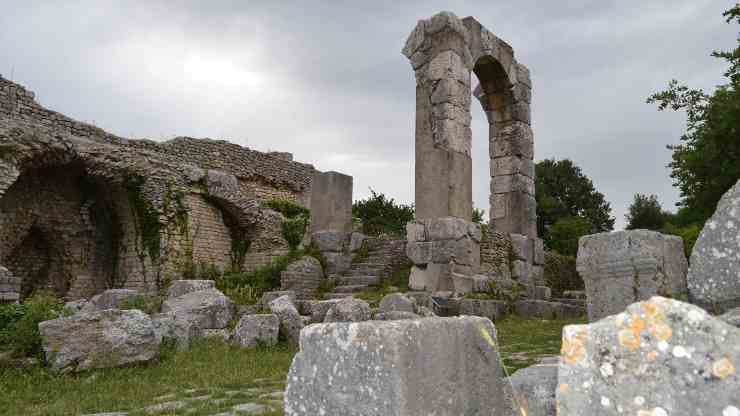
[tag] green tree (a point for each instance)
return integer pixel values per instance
(564, 234)
(707, 161)
(478, 215)
(646, 213)
(563, 192)
(381, 215)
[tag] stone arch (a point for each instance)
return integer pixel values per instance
(443, 50)
(61, 228)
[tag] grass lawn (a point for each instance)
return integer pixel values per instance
(211, 367)
(227, 374)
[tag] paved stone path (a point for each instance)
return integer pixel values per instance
(261, 397)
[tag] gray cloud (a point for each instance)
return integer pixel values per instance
(326, 80)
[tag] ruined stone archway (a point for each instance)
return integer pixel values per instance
(443, 51)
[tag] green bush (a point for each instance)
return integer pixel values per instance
(288, 208)
(20, 332)
(296, 220)
(294, 229)
(380, 215)
(689, 234)
(147, 304)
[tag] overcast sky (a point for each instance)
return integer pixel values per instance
(327, 81)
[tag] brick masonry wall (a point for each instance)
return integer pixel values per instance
(73, 233)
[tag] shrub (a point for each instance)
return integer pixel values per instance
(244, 295)
(380, 215)
(294, 229)
(20, 333)
(288, 208)
(296, 220)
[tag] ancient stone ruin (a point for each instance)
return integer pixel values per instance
(82, 210)
(444, 244)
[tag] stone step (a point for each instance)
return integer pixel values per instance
(351, 288)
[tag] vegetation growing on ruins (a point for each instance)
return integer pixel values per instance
(707, 162)
(147, 304)
(146, 217)
(296, 220)
(561, 274)
(19, 324)
(247, 287)
(381, 215)
(397, 282)
(568, 205)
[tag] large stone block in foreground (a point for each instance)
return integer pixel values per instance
(659, 357)
(431, 366)
(623, 267)
(100, 339)
(714, 276)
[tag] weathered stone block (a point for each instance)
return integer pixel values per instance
(182, 287)
(387, 368)
(349, 310)
(336, 262)
(534, 389)
(303, 276)
(331, 202)
(356, 241)
(488, 308)
(538, 275)
(268, 297)
(521, 247)
(713, 281)
(623, 267)
(290, 320)
(415, 232)
(446, 228)
(464, 251)
(99, 339)
(254, 330)
(419, 253)
(539, 252)
(110, 299)
(659, 357)
(396, 302)
(207, 309)
(432, 278)
(448, 65)
(336, 241)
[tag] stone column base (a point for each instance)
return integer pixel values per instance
(440, 248)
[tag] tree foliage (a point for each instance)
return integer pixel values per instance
(564, 234)
(564, 194)
(646, 213)
(381, 215)
(707, 161)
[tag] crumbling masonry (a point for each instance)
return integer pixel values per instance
(82, 210)
(443, 51)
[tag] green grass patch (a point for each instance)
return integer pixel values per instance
(397, 282)
(209, 368)
(229, 375)
(524, 341)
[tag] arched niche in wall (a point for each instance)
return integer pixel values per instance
(63, 229)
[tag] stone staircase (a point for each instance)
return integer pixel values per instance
(383, 256)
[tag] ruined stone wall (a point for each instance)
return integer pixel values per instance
(215, 185)
(267, 243)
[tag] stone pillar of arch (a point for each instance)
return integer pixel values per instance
(443, 50)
